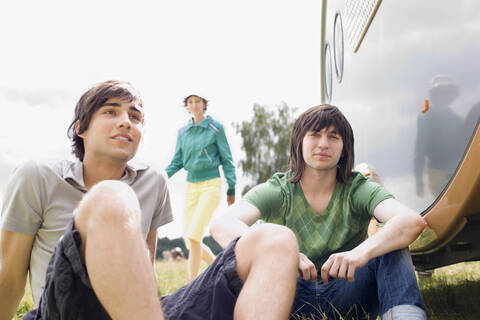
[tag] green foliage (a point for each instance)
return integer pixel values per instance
(26, 305)
(266, 140)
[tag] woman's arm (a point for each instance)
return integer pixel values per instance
(177, 161)
(226, 160)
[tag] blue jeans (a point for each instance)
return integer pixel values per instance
(385, 282)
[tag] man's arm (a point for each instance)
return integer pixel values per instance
(401, 227)
(16, 249)
(152, 245)
(234, 223)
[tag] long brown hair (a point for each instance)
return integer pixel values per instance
(316, 119)
(91, 101)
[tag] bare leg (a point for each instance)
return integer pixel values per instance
(115, 252)
(207, 254)
(194, 259)
(267, 263)
(197, 252)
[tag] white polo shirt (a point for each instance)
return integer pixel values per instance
(41, 197)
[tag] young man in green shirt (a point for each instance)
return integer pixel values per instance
(328, 207)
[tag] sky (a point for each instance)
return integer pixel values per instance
(233, 53)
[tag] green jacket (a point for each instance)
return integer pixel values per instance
(201, 149)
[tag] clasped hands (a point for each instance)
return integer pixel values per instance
(339, 265)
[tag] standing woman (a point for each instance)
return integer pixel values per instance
(201, 148)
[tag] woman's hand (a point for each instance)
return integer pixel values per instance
(230, 200)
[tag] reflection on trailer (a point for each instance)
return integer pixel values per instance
(406, 75)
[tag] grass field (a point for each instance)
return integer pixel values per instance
(450, 293)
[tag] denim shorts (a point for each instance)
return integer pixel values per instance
(68, 293)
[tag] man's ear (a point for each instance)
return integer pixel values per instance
(77, 128)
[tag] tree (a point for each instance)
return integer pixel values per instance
(265, 142)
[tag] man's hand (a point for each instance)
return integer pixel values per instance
(307, 268)
(230, 200)
(343, 265)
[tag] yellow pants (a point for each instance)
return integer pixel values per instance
(201, 201)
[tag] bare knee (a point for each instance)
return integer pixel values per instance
(275, 239)
(268, 242)
(108, 203)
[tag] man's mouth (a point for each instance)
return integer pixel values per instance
(122, 138)
(322, 155)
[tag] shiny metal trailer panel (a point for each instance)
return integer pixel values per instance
(412, 94)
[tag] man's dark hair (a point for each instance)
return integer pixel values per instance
(91, 101)
(316, 119)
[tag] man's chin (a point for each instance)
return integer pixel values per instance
(123, 156)
(324, 167)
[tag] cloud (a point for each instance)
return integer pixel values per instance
(35, 97)
(7, 165)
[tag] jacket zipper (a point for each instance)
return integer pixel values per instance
(206, 153)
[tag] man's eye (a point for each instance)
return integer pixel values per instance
(109, 111)
(135, 117)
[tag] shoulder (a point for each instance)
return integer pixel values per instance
(366, 192)
(359, 181)
(33, 179)
(280, 179)
(183, 129)
(278, 183)
(42, 168)
(269, 197)
(214, 125)
(356, 178)
(151, 172)
(359, 184)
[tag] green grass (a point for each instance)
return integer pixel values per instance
(450, 293)
(172, 275)
(26, 304)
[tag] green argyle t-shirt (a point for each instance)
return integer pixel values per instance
(340, 227)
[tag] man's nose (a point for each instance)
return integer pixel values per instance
(323, 141)
(124, 120)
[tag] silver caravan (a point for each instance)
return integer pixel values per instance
(407, 75)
